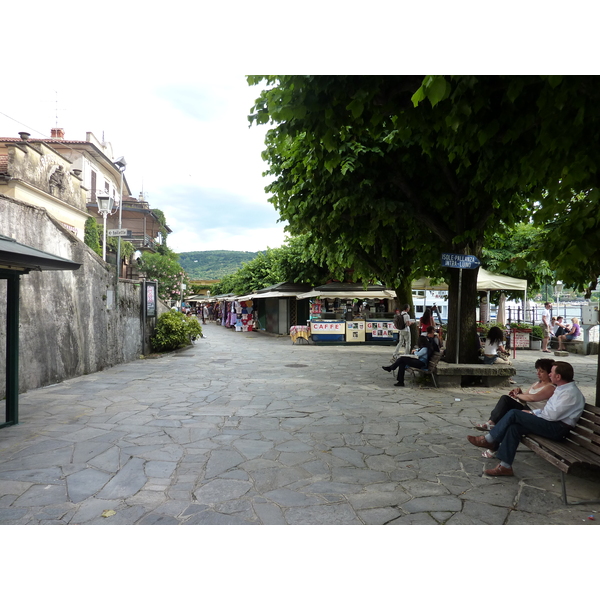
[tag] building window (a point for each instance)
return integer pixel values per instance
(93, 186)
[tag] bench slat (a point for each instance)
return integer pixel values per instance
(551, 458)
(580, 431)
(568, 451)
(593, 421)
(582, 442)
(591, 408)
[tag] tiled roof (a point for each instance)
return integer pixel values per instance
(45, 140)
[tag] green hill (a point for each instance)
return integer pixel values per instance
(213, 264)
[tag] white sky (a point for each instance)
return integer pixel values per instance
(165, 84)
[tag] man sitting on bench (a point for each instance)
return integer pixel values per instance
(554, 421)
(428, 345)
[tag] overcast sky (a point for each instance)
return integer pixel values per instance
(166, 85)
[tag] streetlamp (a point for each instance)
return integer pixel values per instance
(121, 164)
(105, 205)
(558, 288)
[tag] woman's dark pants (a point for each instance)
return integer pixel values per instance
(505, 404)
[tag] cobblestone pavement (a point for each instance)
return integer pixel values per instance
(247, 428)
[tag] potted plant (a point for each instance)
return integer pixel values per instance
(535, 339)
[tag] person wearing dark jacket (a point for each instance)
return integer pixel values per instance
(428, 345)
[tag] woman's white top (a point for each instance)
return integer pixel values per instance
(541, 403)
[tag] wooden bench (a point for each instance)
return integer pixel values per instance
(580, 447)
(429, 372)
(457, 375)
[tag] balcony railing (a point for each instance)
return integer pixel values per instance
(141, 241)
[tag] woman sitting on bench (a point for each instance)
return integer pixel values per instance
(428, 345)
(572, 333)
(536, 397)
(493, 345)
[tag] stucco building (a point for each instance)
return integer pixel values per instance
(63, 176)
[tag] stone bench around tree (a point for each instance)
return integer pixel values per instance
(457, 375)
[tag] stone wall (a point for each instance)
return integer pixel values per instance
(70, 324)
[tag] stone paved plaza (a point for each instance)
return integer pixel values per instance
(247, 428)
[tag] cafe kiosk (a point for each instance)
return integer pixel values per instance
(349, 314)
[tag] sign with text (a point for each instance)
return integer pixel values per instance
(380, 329)
(460, 261)
(116, 232)
(150, 297)
(521, 339)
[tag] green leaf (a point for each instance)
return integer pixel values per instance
(418, 96)
(356, 107)
(438, 90)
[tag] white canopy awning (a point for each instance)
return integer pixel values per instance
(486, 281)
(492, 281)
(265, 295)
(348, 295)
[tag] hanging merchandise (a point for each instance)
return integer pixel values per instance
(238, 324)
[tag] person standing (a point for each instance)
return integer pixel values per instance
(546, 326)
(554, 421)
(402, 323)
(426, 320)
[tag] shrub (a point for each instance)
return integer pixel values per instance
(174, 330)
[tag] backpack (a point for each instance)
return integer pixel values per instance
(399, 322)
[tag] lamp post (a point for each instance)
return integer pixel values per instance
(105, 205)
(121, 164)
(558, 288)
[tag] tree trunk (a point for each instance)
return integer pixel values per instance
(468, 340)
(404, 295)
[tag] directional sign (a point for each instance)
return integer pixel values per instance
(460, 261)
(116, 232)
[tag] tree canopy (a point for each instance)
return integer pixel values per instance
(406, 167)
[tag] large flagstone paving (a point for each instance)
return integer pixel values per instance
(246, 428)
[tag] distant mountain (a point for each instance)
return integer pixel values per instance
(213, 264)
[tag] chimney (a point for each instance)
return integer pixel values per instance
(24, 135)
(57, 133)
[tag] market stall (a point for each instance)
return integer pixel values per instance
(349, 313)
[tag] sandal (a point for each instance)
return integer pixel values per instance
(489, 454)
(484, 426)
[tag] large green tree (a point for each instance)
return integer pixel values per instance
(347, 215)
(518, 252)
(332, 133)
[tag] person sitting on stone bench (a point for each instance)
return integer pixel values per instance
(429, 344)
(558, 328)
(554, 421)
(571, 334)
(493, 345)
